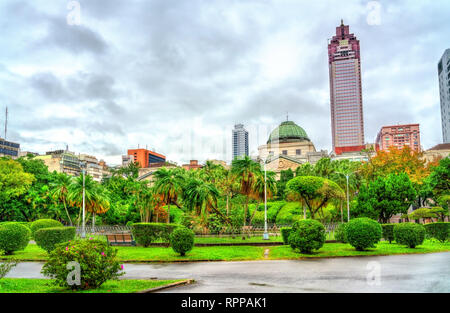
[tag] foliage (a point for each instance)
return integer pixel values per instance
(289, 213)
(409, 234)
(43, 223)
(340, 233)
(439, 179)
(182, 240)
(385, 196)
(388, 232)
(439, 230)
(316, 192)
(363, 233)
(13, 237)
(13, 180)
(97, 261)
(421, 213)
(48, 238)
(146, 233)
(285, 232)
(307, 235)
(6, 266)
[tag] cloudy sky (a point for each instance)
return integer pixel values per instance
(176, 75)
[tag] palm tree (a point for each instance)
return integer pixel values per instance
(227, 185)
(245, 170)
(168, 184)
(96, 198)
(258, 188)
(60, 191)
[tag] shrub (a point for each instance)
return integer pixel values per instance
(47, 238)
(146, 233)
(182, 240)
(307, 235)
(285, 232)
(43, 223)
(13, 237)
(339, 233)
(6, 266)
(363, 233)
(439, 230)
(388, 232)
(410, 234)
(96, 259)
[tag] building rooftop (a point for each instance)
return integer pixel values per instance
(442, 146)
(288, 131)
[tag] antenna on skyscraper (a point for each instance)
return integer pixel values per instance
(6, 122)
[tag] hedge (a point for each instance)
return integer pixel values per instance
(146, 233)
(409, 234)
(182, 240)
(285, 232)
(307, 235)
(439, 230)
(48, 238)
(43, 223)
(340, 233)
(13, 237)
(363, 233)
(388, 232)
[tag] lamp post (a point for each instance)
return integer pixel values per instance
(83, 225)
(266, 234)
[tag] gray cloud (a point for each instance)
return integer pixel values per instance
(176, 75)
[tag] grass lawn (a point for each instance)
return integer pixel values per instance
(237, 239)
(241, 253)
(26, 285)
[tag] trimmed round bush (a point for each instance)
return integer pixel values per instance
(43, 223)
(439, 230)
(146, 233)
(363, 233)
(285, 232)
(13, 237)
(307, 235)
(388, 232)
(339, 233)
(409, 234)
(97, 264)
(47, 238)
(182, 240)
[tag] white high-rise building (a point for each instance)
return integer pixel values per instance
(444, 90)
(240, 141)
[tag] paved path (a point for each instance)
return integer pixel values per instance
(401, 273)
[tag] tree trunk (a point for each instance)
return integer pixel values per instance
(253, 214)
(342, 214)
(228, 209)
(245, 212)
(168, 213)
(93, 222)
(67, 212)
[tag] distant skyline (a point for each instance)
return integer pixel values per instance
(178, 75)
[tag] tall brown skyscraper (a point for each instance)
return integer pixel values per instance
(347, 123)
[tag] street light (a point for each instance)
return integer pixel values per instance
(83, 225)
(266, 233)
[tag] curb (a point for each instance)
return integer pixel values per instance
(172, 285)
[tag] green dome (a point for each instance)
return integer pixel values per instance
(288, 132)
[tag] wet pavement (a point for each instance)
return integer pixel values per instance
(400, 273)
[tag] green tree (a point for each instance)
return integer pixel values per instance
(168, 184)
(315, 192)
(245, 169)
(60, 191)
(385, 196)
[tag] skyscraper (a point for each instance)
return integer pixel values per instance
(444, 90)
(347, 124)
(240, 141)
(399, 136)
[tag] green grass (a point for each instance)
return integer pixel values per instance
(27, 285)
(241, 253)
(237, 239)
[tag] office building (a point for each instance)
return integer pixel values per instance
(444, 90)
(9, 149)
(145, 157)
(347, 122)
(240, 141)
(399, 136)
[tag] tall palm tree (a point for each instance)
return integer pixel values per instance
(245, 170)
(60, 191)
(96, 199)
(168, 184)
(258, 188)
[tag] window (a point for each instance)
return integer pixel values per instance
(298, 152)
(284, 152)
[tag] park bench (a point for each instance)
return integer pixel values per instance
(120, 240)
